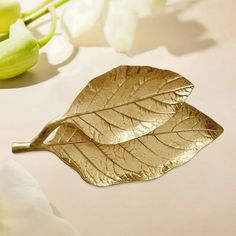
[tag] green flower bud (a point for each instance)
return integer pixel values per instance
(20, 51)
(10, 11)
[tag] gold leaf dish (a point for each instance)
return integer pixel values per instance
(144, 158)
(127, 102)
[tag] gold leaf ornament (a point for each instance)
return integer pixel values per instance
(129, 124)
(127, 102)
(144, 158)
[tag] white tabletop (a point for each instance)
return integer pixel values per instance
(194, 38)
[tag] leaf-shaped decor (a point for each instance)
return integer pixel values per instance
(128, 102)
(125, 103)
(144, 158)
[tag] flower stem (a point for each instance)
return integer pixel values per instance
(42, 42)
(44, 12)
(36, 9)
(4, 36)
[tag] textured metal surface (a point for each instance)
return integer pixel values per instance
(144, 158)
(127, 102)
(129, 124)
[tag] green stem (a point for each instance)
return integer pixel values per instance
(44, 12)
(3, 37)
(42, 42)
(36, 9)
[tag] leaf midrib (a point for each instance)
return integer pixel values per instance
(161, 133)
(124, 104)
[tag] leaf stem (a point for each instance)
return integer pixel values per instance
(42, 42)
(36, 9)
(46, 131)
(38, 142)
(44, 12)
(23, 147)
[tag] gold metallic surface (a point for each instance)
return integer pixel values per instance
(124, 103)
(129, 124)
(127, 102)
(144, 158)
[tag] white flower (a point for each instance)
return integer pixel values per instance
(119, 18)
(24, 210)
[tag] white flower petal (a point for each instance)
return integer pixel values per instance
(146, 8)
(120, 25)
(24, 210)
(80, 16)
(18, 29)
